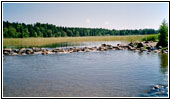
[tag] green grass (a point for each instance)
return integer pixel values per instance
(30, 42)
(151, 38)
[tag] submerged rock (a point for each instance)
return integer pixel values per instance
(157, 91)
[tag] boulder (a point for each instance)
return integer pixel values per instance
(36, 49)
(141, 44)
(131, 44)
(55, 50)
(29, 51)
(15, 50)
(160, 47)
(131, 48)
(137, 42)
(13, 54)
(8, 49)
(61, 50)
(149, 47)
(6, 52)
(21, 51)
(103, 45)
(45, 52)
(156, 51)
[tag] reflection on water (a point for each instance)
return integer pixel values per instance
(63, 44)
(164, 63)
(93, 74)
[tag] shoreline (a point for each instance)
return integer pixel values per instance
(137, 46)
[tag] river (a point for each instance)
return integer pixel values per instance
(121, 73)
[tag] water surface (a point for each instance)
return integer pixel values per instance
(91, 74)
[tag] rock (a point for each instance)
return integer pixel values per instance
(156, 86)
(109, 46)
(131, 44)
(118, 44)
(149, 47)
(93, 49)
(21, 51)
(85, 50)
(103, 45)
(55, 50)
(156, 51)
(15, 50)
(45, 52)
(131, 48)
(36, 49)
(101, 48)
(137, 42)
(43, 49)
(119, 48)
(8, 49)
(160, 47)
(146, 42)
(61, 50)
(139, 45)
(115, 47)
(29, 51)
(6, 52)
(13, 54)
(124, 46)
(74, 50)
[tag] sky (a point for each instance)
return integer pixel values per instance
(90, 15)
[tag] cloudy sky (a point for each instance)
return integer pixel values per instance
(93, 15)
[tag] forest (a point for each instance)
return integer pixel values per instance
(22, 30)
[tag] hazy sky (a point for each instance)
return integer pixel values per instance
(94, 15)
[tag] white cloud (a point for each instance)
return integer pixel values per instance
(88, 20)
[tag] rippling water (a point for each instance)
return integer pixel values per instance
(91, 74)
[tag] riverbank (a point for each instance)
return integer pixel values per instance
(40, 42)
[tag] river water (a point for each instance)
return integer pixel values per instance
(92, 74)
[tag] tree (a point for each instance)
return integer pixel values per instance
(64, 34)
(5, 32)
(163, 37)
(12, 31)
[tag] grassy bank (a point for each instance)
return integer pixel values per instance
(29, 42)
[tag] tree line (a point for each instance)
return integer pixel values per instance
(22, 30)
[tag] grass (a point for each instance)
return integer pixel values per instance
(151, 38)
(30, 42)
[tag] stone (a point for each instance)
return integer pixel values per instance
(160, 47)
(156, 51)
(36, 49)
(29, 51)
(103, 45)
(139, 45)
(8, 49)
(6, 52)
(131, 44)
(21, 51)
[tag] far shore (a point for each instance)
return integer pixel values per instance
(31, 42)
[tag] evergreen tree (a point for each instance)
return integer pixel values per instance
(163, 37)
